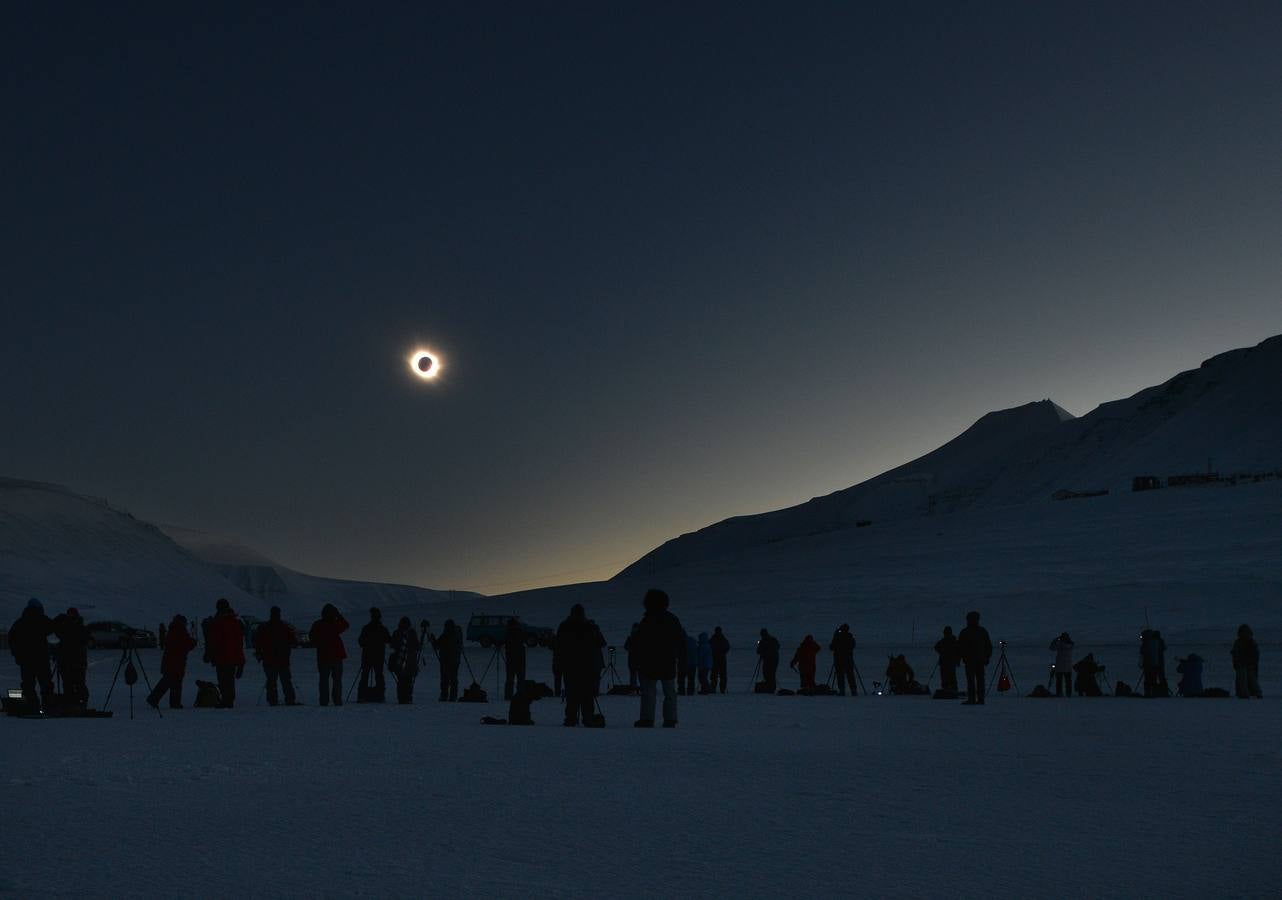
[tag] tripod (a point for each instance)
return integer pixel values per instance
(1003, 668)
(128, 656)
(496, 660)
(611, 672)
(755, 672)
(832, 672)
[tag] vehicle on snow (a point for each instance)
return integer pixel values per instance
(114, 635)
(488, 630)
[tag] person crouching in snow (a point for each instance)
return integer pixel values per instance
(173, 665)
(803, 661)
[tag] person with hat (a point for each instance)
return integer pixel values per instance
(73, 657)
(29, 646)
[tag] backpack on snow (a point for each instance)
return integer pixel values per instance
(207, 695)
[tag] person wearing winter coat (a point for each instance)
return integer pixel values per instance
(720, 650)
(29, 647)
(804, 662)
(842, 646)
(1062, 647)
(578, 648)
(1153, 663)
(949, 653)
(449, 652)
(687, 665)
(629, 647)
(403, 663)
(514, 657)
(899, 675)
(1246, 664)
(703, 656)
(1088, 672)
(768, 653)
(976, 649)
(273, 642)
(226, 651)
(1191, 668)
(73, 657)
(660, 646)
(173, 664)
(326, 636)
(373, 642)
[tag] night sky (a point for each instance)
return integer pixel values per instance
(681, 261)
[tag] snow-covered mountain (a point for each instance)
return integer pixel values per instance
(1227, 413)
(72, 550)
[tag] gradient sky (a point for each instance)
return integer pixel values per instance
(683, 261)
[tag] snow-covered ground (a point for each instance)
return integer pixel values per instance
(750, 796)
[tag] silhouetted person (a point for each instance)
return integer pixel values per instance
(403, 663)
(899, 675)
(1246, 664)
(842, 646)
(1062, 647)
(804, 661)
(326, 636)
(449, 649)
(720, 650)
(373, 642)
(73, 657)
(687, 665)
(161, 634)
(598, 656)
(629, 647)
(768, 651)
(29, 646)
(173, 664)
(226, 651)
(578, 649)
(949, 653)
(273, 642)
(1190, 667)
(1153, 663)
(976, 649)
(1088, 672)
(704, 654)
(514, 657)
(660, 642)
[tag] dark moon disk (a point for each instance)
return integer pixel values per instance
(425, 364)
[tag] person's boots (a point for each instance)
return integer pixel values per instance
(669, 723)
(643, 723)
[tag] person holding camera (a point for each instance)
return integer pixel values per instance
(29, 646)
(768, 651)
(842, 646)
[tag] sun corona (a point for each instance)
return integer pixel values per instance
(425, 364)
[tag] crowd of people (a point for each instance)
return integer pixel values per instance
(661, 657)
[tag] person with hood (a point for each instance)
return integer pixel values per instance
(29, 647)
(514, 657)
(1246, 664)
(703, 655)
(578, 648)
(768, 652)
(1062, 647)
(326, 636)
(660, 642)
(1191, 668)
(273, 641)
(976, 649)
(720, 650)
(449, 652)
(403, 663)
(173, 663)
(946, 648)
(899, 675)
(226, 651)
(629, 647)
(804, 662)
(1088, 672)
(73, 657)
(373, 642)
(842, 646)
(1153, 663)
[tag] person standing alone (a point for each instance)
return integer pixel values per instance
(720, 650)
(976, 649)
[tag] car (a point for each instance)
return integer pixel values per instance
(488, 630)
(113, 635)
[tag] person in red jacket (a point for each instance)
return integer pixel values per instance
(227, 651)
(804, 662)
(326, 638)
(272, 642)
(173, 665)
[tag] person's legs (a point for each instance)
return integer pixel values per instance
(509, 683)
(648, 696)
(323, 670)
(972, 694)
(771, 671)
(175, 693)
(1253, 681)
(1239, 682)
(226, 686)
(287, 685)
(669, 702)
(336, 673)
(272, 673)
(405, 689)
(454, 683)
(380, 681)
(980, 685)
(704, 688)
(153, 699)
